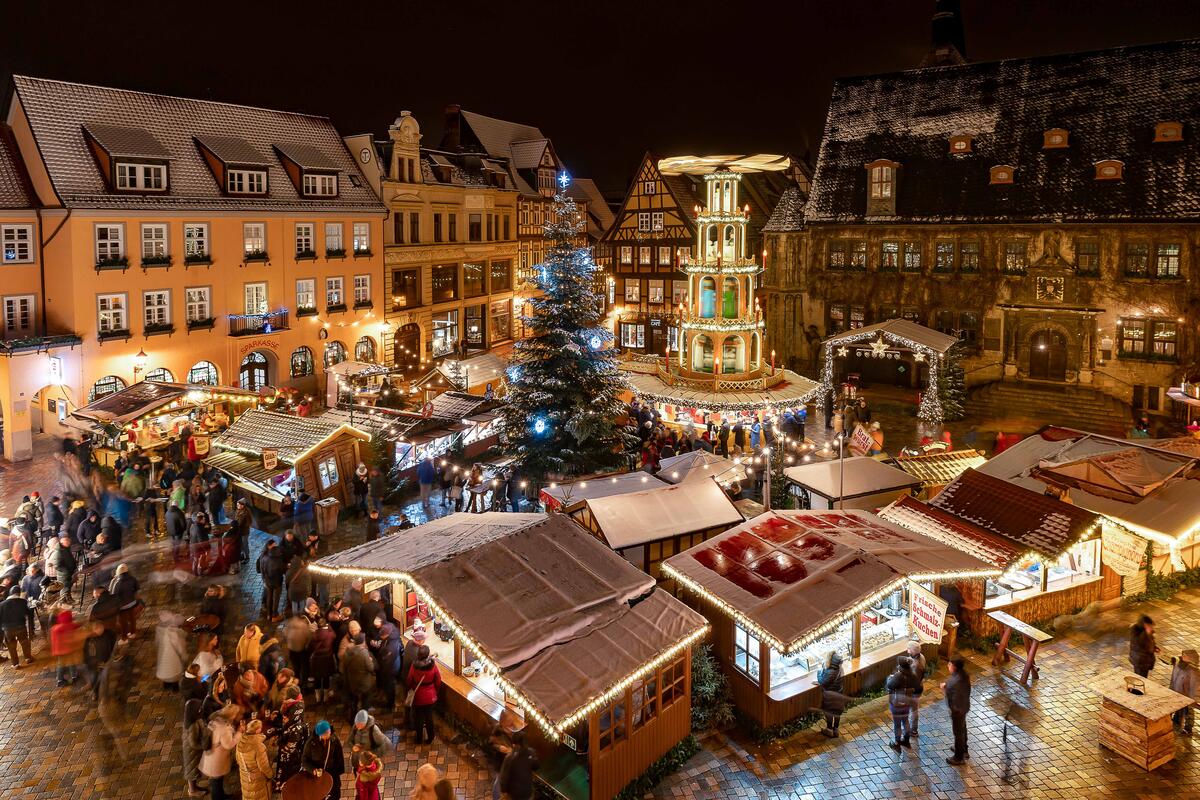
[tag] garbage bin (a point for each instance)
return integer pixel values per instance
(327, 515)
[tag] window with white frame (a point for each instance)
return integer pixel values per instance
(649, 187)
(305, 239)
(656, 221)
(655, 291)
(679, 292)
(320, 185)
(335, 294)
(197, 303)
(195, 241)
(645, 256)
(112, 313)
(334, 243)
(255, 295)
(154, 241)
(746, 652)
(362, 290)
(156, 308)
(16, 243)
(254, 238)
(664, 256)
(626, 254)
(633, 335)
(18, 314)
(110, 243)
(633, 290)
(141, 177)
(306, 294)
(643, 221)
(362, 237)
(246, 181)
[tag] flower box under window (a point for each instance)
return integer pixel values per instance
(199, 259)
(306, 311)
(161, 328)
(118, 262)
(335, 308)
(362, 253)
(255, 255)
(156, 261)
(303, 255)
(335, 252)
(105, 336)
(201, 324)
(363, 304)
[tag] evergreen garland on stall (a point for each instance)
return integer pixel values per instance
(952, 388)
(563, 383)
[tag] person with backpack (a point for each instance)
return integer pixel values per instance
(901, 686)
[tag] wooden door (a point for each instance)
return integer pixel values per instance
(1048, 356)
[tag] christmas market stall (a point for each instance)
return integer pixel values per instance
(896, 352)
(150, 415)
(648, 526)
(786, 588)
(855, 482)
(1147, 491)
(1050, 551)
(567, 497)
(355, 382)
(267, 454)
(700, 465)
(538, 626)
(935, 470)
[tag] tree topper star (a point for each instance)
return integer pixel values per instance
(918, 356)
(878, 348)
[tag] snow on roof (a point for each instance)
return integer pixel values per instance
(859, 476)
(662, 512)
(908, 512)
(793, 573)
(912, 331)
(788, 214)
(699, 465)
(569, 496)
(938, 469)
(292, 436)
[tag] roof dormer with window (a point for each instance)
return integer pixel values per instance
(1168, 132)
(131, 159)
(881, 187)
(237, 165)
(961, 143)
(1055, 138)
(1002, 174)
(313, 173)
(1110, 169)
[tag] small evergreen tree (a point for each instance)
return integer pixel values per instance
(564, 386)
(712, 699)
(952, 386)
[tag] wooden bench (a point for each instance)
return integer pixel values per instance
(1033, 639)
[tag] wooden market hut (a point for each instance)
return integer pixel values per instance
(311, 455)
(700, 465)
(936, 470)
(785, 588)
(854, 482)
(566, 497)
(539, 626)
(649, 526)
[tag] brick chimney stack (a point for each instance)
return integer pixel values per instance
(949, 44)
(452, 129)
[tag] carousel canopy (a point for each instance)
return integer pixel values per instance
(145, 397)
(795, 390)
(898, 331)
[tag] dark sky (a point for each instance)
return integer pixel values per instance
(606, 79)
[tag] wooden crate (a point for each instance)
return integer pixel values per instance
(1149, 743)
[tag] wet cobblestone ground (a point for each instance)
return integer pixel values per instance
(52, 744)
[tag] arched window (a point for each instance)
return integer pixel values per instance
(335, 353)
(253, 372)
(161, 375)
(708, 297)
(302, 362)
(702, 354)
(203, 372)
(729, 246)
(364, 350)
(733, 355)
(727, 200)
(712, 242)
(109, 384)
(729, 298)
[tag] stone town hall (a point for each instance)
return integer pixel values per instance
(1044, 210)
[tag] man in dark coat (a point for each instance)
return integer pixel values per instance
(958, 700)
(89, 529)
(290, 547)
(358, 675)
(16, 618)
(177, 525)
(388, 652)
(516, 771)
(371, 609)
(65, 566)
(53, 519)
(1142, 647)
(216, 501)
(116, 534)
(106, 609)
(323, 754)
(271, 567)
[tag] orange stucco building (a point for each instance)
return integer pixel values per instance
(230, 245)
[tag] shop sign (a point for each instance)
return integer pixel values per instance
(56, 370)
(861, 441)
(200, 443)
(1123, 552)
(270, 458)
(927, 613)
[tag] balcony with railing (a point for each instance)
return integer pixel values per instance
(255, 324)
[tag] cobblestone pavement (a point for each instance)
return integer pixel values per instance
(54, 746)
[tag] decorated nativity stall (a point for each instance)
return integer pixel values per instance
(539, 626)
(721, 365)
(786, 588)
(910, 352)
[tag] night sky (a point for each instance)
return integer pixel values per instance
(605, 80)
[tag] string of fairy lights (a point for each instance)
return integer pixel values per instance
(930, 410)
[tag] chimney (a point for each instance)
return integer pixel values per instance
(948, 46)
(452, 129)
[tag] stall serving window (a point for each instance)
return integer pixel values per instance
(1031, 576)
(327, 472)
(805, 663)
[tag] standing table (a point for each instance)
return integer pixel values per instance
(1137, 727)
(1032, 636)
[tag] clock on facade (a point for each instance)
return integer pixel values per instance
(1050, 289)
(365, 154)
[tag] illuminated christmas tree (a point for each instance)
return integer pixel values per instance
(564, 387)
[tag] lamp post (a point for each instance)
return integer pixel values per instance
(841, 470)
(139, 364)
(766, 452)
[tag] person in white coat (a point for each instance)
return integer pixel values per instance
(172, 647)
(216, 761)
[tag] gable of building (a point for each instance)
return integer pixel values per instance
(651, 193)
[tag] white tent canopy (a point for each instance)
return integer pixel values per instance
(569, 496)
(859, 476)
(699, 465)
(662, 513)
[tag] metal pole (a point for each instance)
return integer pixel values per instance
(767, 480)
(841, 471)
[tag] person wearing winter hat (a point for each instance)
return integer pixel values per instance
(1185, 679)
(293, 733)
(66, 645)
(424, 680)
(368, 776)
(125, 587)
(323, 755)
(366, 736)
(15, 616)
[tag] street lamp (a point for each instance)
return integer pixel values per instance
(139, 364)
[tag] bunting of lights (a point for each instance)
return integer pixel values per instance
(930, 410)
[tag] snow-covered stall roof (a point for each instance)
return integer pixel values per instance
(699, 465)
(913, 332)
(569, 496)
(661, 513)
(858, 477)
(938, 469)
(532, 593)
(793, 574)
(908, 512)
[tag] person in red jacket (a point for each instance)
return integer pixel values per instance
(66, 645)
(424, 680)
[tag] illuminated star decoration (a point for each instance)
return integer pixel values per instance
(878, 347)
(918, 356)
(564, 180)
(843, 351)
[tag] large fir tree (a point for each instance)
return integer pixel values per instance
(952, 386)
(564, 386)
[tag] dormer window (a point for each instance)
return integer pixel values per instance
(1002, 173)
(246, 181)
(881, 187)
(1109, 170)
(316, 185)
(1054, 139)
(960, 144)
(1168, 132)
(141, 177)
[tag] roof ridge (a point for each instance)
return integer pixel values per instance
(169, 96)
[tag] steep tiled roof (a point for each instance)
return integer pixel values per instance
(497, 135)
(1108, 101)
(14, 185)
(788, 214)
(938, 469)
(910, 513)
(527, 155)
(119, 140)
(59, 111)
(1041, 523)
(293, 436)
(233, 150)
(600, 215)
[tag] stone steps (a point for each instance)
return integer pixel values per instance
(1025, 407)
